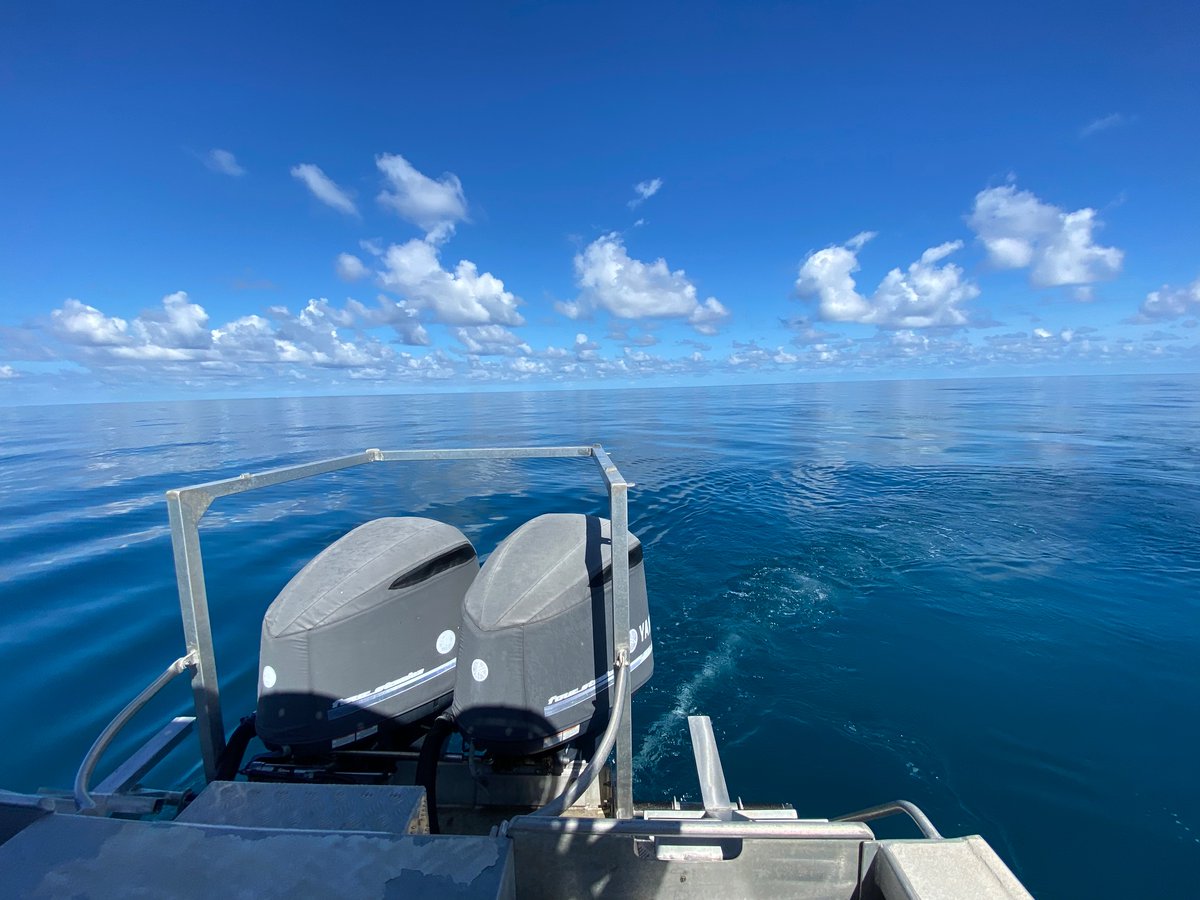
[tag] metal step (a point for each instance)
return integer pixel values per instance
(320, 807)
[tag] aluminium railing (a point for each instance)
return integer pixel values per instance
(186, 507)
(144, 758)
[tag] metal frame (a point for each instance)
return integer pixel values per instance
(186, 506)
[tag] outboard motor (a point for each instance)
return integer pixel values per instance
(536, 640)
(364, 636)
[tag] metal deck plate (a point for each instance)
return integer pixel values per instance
(85, 856)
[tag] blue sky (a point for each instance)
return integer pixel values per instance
(286, 198)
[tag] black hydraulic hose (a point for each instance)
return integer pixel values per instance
(231, 757)
(575, 789)
(427, 763)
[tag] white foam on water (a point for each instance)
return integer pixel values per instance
(669, 731)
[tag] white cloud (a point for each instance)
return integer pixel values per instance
(828, 275)
(78, 323)
(181, 324)
(313, 337)
(1104, 123)
(350, 267)
(749, 355)
(1018, 230)
(434, 205)
(492, 340)
(324, 189)
(250, 337)
(223, 161)
(585, 350)
(628, 288)
(925, 295)
(401, 317)
(8, 372)
(524, 366)
(461, 297)
(178, 335)
(1171, 302)
(644, 191)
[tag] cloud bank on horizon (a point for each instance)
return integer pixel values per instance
(463, 325)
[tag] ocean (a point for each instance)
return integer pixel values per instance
(981, 596)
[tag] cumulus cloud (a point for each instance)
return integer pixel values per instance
(180, 324)
(79, 323)
(324, 188)
(628, 288)
(644, 190)
(1018, 230)
(748, 354)
(223, 161)
(8, 372)
(925, 295)
(1170, 303)
(462, 297)
(398, 315)
(351, 268)
(432, 204)
(1104, 123)
(585, 350)
(177, 334)
(492, 340)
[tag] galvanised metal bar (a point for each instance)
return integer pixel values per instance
(147, 756)
(713, 790)
(890, 809)
(693, 828)
(618, 494)
(486, 453)
(201, 495)
(184, 510)
(83, 797)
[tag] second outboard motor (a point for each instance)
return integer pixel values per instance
(364, 635)
(537, 652)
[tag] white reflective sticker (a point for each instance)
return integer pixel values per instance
(479, 670)
(445, 641)
(268, 677)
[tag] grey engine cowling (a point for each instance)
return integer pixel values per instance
(536, 642)
(365, 634)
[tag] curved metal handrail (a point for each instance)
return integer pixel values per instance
(83, 797)
(599, 760)
(890, 809)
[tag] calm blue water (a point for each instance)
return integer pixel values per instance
(980, 596)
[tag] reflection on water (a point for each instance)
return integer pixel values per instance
(980, 595)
